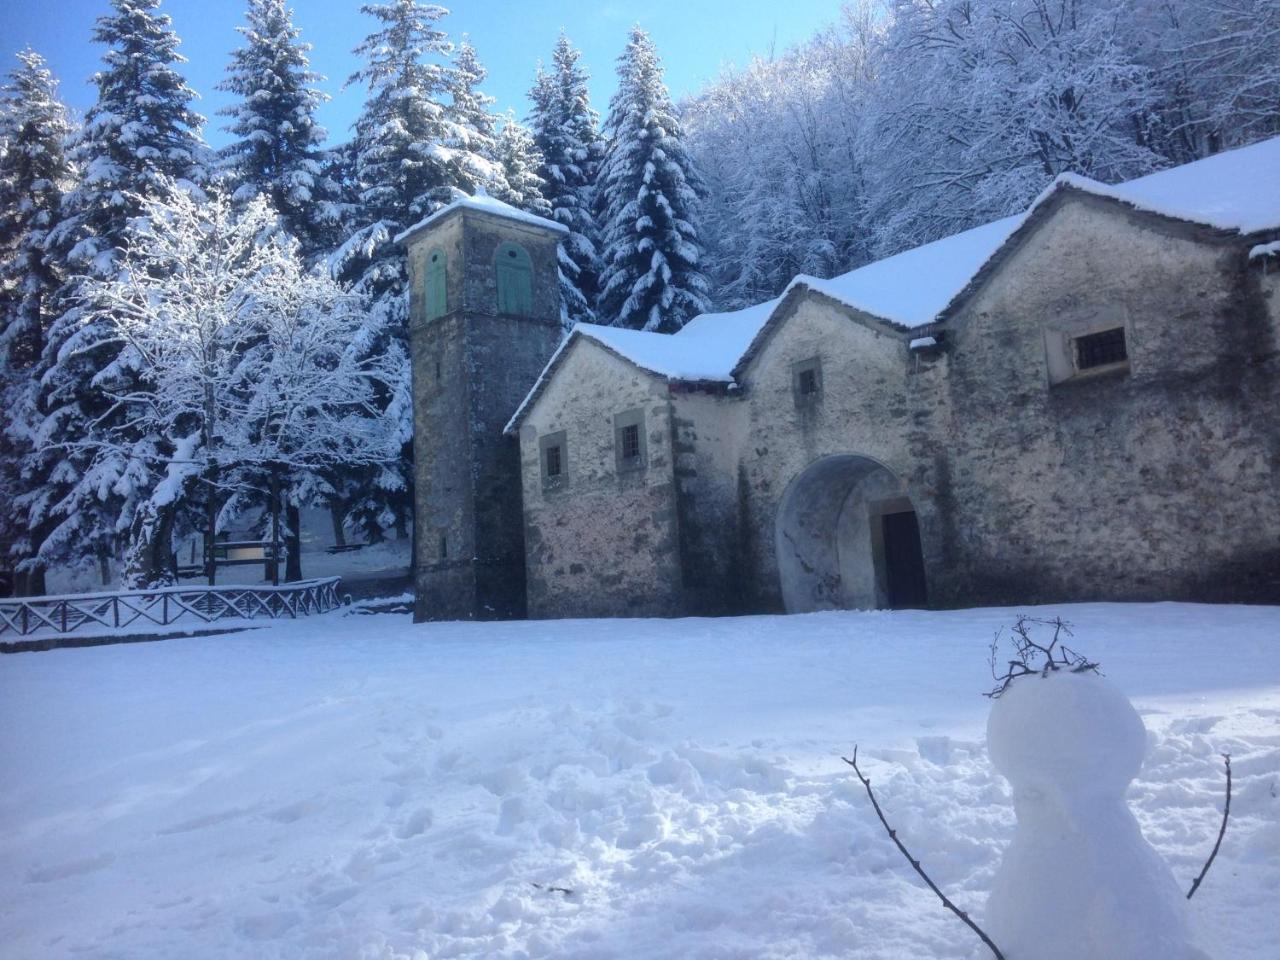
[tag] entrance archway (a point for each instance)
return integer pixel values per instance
(847, 537)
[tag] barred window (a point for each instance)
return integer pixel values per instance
(553, 453)
(808, 382)
(1101, 349)
(631, 441)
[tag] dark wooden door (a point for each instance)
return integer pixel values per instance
(903, 560)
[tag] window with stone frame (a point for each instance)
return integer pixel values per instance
(806, 381)
(1101, 349)
(629, 440)
(553, 455)
(1078, 351)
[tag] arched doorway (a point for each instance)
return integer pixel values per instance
(847, 537)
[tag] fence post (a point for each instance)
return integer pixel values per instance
(115, 610)
(64, 616)
(164, 609)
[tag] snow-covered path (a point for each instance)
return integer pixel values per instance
(357, 787)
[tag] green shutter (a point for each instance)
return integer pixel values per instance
(515, 280)
(436, 292)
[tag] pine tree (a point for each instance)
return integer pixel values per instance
(34, 172)
(648, 201)
(277, 152)
(139, 140)
(566, 136)
(472, 140)
(519, 158)
(403, 172)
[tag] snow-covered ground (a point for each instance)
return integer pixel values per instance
(353, 786)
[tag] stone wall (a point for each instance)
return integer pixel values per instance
(709, 428)
(601, 542)
(1031, 482)
(877, 402)
(1153, 483)
(471, 369)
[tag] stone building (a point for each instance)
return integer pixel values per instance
(1075, 403)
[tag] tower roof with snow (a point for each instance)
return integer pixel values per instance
(481, 203)
(1234, 192)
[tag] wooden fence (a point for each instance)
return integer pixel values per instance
(165, 605)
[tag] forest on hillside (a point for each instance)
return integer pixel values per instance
(191, 338)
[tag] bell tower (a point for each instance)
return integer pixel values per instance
(484, 319)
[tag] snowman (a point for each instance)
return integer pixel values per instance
(1078, 881)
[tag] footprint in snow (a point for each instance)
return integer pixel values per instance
(208, 820)
(71, 868)
(293, 812)
(267, 926)
(417, 824)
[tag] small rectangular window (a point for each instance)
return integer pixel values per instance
(553, 453)
(1100, 349)
(444, 547)
(631, 441)
(806, 381)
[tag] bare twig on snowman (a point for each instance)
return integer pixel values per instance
(1226, 812)
(915, 864)
(1032, 657)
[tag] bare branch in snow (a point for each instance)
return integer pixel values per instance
(915, 864)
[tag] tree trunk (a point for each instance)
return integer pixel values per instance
(104, 567)
(293, 535)
(337, 513)
(30, 583)
(211, 524)
(273, 568)
(150, 559)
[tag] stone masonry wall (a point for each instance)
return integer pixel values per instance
(877, 401)
(1158, 483)
(471, 368)
(601, 543)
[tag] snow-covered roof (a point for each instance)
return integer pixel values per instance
(483, 203)
(707, 348)
(1234, 191)
(911, 288)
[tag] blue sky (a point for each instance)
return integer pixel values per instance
(695, 38)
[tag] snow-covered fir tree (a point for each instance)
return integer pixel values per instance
(140, 140)
(403, 172)
(566, 134)
(520, 160)
(34, 172)
(648, 199)
(472, 139)
(277, 150)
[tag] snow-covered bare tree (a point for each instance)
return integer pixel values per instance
(648, 199)
(277, 150)
(519, 158)
(778, 144)
(34, 173)
(566, 135)
(249, 362)
(981, 104)
(140, 140)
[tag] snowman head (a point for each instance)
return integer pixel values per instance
(1065, 733)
